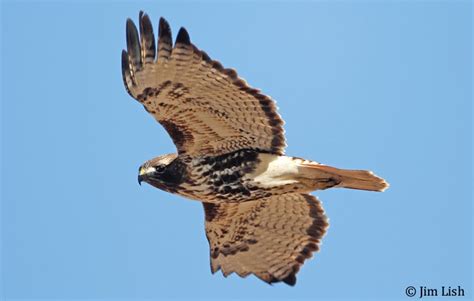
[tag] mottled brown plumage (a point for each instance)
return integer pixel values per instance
(269, 237)
(206, 109)
(260, 218)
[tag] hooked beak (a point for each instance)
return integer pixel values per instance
(141, 175)
(144, 173)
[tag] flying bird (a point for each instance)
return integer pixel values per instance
(259, 216)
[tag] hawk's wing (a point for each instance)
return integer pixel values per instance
(206, 109)
(269, 237)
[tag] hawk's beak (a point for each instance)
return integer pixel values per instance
(145, 173)
(141, 175)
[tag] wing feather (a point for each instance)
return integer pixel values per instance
(165, 43)
(206, 108)
(147, 39)
(133, 46)
(270, 238)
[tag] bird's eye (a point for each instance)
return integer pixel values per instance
(160, 168)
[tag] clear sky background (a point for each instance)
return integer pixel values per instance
(376, 85)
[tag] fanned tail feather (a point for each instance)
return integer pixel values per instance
(353, 179)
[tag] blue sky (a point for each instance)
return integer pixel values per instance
(374, 85)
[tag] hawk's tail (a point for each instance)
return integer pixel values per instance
(354, 179)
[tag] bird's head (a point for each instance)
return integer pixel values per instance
(157, 171)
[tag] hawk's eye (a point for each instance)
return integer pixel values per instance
(159, 168)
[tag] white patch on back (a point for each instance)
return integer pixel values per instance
(275, 170)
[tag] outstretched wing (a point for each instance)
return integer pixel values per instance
(206, 109)
(270, 237)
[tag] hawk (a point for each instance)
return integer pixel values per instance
(259, 216)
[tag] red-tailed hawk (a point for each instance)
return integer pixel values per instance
(260, 217)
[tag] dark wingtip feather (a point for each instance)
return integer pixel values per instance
(145, 24)
(165, 42)
(130, 26)
(147, 38)
(145, 19)
(164, 29)
(205, 56)
(133, 43)
(183, 37)
(290, 280)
